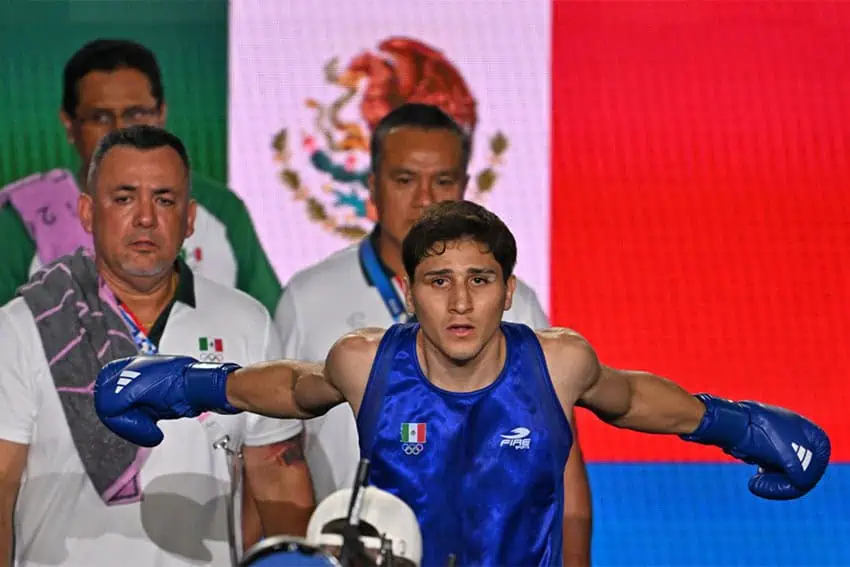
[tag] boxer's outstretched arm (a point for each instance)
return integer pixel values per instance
(640, 401)
(270, 389)
(791, 451)
(289, 388)
(132, 394)
(633, 400)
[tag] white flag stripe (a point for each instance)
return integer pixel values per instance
(277, 55)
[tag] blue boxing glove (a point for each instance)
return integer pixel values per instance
(132, 394)
(792, 452)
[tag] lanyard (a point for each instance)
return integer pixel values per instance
(143, 343)
(385, 287)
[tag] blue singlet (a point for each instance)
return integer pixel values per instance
(483, 471)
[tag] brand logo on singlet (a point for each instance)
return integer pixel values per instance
(413, 438)
(519, 438)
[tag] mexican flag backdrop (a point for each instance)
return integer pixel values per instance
(676, 174)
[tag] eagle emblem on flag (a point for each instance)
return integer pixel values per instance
(337, 142)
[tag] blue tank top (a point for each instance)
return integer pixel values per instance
(483, 470)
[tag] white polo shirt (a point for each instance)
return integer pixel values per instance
(319, 305)
(60, 519)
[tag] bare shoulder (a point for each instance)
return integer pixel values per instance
(571, 359)
(358, 343)
(349, 362)
(563, 342)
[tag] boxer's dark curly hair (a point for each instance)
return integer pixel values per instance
(451, 221)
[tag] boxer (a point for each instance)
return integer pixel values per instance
(465, 417)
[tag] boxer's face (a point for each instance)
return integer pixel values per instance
(139, 211)
(108, 101)
(418, 167)
(459, 294)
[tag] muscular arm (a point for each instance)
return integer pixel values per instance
(283, 389)
(756, 433)
(642, 402)
(279, 483)
(303, 390)
(627, 399)
(13, 460)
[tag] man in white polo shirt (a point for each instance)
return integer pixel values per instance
(71, 492)
(420, 155)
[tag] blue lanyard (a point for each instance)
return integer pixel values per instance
(143, 343)
(376, 273)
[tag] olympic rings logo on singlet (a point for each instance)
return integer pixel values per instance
(413, 448)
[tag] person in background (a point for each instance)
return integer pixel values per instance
(109, 84)
(420, 156)
(71, 492)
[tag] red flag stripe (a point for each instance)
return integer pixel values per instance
(700, 202)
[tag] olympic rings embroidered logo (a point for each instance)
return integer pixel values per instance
(210, 357)
(413, 448)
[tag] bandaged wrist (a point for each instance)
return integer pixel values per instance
(724, 424)
(206, 386)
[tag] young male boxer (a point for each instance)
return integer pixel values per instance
(419, 156)
(463, 416)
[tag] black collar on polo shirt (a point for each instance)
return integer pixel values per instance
(185, 293)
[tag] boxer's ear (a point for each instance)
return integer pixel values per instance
(510, 289)
(408, 294)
